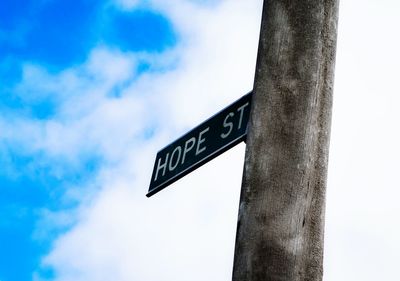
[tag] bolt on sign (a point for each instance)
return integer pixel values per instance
(200, 145)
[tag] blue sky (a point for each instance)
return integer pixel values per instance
(55, 35)
(91, 90)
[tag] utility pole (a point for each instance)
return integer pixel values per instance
(281, 214)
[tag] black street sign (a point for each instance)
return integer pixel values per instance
(202, 144)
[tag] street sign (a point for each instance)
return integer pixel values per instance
(200, 145)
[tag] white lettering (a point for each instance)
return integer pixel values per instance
(188, 147)
(228, 124)
(179, 150)
(200, 140)
(241, 109)
(163, 166)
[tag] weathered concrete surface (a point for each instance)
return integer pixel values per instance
(281, 214)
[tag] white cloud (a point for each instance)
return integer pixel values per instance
(187, 231)
(88, 118)
(119, 234)
(361, 232)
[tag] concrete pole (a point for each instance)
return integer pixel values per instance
(281, 215)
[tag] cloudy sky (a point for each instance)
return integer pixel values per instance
(90, 90)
